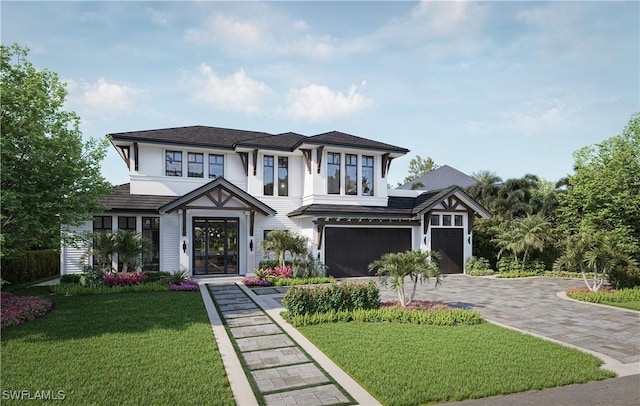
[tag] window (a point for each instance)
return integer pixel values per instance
(367, 175)
(102, 224)
(173, 163)
(435, 220)
(268, 175)
(151, 232)
(283, 176)
(351, 174)
(127, 223)
(333, 173)
(457, 220)
(196, 165)
(446, 220)
(216, 166)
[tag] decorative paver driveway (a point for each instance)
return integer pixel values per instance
(531, 304)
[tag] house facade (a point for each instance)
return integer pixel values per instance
(205, 198)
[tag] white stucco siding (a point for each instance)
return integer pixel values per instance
(71, 257)
(170, 242)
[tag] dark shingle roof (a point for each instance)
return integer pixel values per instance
(332, 210)
(198, 135)
(441, 178)
(286, 141)
(337, 138)
(122, 200)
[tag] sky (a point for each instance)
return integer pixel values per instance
(508, 87)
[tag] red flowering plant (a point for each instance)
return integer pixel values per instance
(16, 310)
(123, 279)
(255, 281)
(280, 271)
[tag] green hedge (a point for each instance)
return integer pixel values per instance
(335, 297)
(31, 266)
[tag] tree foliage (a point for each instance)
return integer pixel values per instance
(419, 166)
(604, 191)
(281, 241)
(49, 175)
(524, 235)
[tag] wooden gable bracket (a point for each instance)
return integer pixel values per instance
(426, 222)
(252, 220)
(319, 234)
(319, 152)
(126, 153)
(255, 161)
(386, 164)
(244, 157)
(135, 155)
(219, 202)
(306, 153)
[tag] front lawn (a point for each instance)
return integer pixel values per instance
(127, 348)
(408, 364)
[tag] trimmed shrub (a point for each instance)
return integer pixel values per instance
(152, 276)
(31, 266)
(313, 280)
(624, 277)
(70, 278)
(478, 266)
(335, 297)
(74, 289)
(438, 316)
(512, 265)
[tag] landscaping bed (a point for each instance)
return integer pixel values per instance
(625, 298)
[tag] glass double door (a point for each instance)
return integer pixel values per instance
(215, 246)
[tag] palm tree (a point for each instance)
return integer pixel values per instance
(524, 235)
(281, 241)
(595, 253)
(486, 187)
(129, 246)
(103, 247)
(418, 265)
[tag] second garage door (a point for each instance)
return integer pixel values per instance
(349, 251)
(448, 242)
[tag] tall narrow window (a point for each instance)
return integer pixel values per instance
(151, 233)
(283, 176)
(196, 165)
(101, 224)
(173, 163)
(333, 173)
(351, 174)
(367, 175)
(216, 166)
(268, 175)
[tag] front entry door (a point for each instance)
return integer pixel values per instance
(215, 246)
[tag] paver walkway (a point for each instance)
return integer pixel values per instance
(281, 371)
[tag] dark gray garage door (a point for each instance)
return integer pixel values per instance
(448, 241)
(348, 251)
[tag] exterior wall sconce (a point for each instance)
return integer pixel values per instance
(425, 240)
(251, 245)
(184, 246)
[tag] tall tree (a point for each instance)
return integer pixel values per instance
(525, 235)
(604, 191)
(49, 175)
(486, 188)
(419, 166)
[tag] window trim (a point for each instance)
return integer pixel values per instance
(166, 162)
(339, 173)
(365, 158)
(264, 175)
(347, 166)
(215, 165)
(190, 162)
(283, 181)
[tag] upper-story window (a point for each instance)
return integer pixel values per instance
(216, 166)
(367, 175)
(283, 176)
(351, 174)
(267, 174)
(333, 173)
(173, 163)
(196, 165)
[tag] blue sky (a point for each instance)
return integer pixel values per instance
(510, 87)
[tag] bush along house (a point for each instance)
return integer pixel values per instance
(205, 197)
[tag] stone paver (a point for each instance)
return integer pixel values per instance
(316, 396)
(274, 379)
(264, 342)
(274, 357)
(242, 313)
(248, 321)
(237, 306)
(252, 331)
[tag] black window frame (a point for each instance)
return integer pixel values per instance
(192, 161)
(151, 256)
(283, 176)
(268, 162)
(170, 162)
(332, 157)
(366, 168)
(457, 217)
(216, 164)
(350, 165)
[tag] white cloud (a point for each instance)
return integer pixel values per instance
(227, 31)
(105, 97)
(541, 115)
(319, 103)
(157, 17)
(236, 92)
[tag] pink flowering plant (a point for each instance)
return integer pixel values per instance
(256, 281)
(280, 271)
(187, 285)
(17, 310)
(123, 279)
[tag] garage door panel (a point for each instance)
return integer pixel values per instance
(349, 251)
(449, 243)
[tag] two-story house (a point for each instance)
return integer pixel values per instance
(205, 198)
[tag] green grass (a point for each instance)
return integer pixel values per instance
(130, 348)
(408, 364)
(75, 289)
(633, 305)
(625, 298)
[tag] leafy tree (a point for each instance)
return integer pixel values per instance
(418, 265)
(281, 241)
(486, 188)
(604, 191)
(419, 166)
(595, 255)
(129, 247)
(524, 235)
(49, 175)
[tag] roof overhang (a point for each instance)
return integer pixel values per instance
(434, 198)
